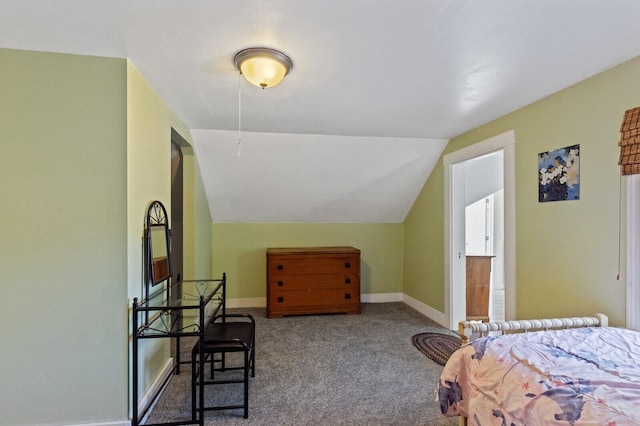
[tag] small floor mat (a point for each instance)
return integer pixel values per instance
(436, 346)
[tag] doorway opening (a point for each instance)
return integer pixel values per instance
(484, 250)
(473, 174)
(176, 212)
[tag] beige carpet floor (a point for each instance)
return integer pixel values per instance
(327, 370)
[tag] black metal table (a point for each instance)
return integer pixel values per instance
(180, 310)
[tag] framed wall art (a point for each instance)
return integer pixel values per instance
(559, 174)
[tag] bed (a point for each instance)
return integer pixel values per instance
(567, 371)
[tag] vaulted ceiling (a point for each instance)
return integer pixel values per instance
(376, 90)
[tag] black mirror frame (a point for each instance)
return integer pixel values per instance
(155, 272)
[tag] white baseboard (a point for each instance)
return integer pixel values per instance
(156, 386)
(381, 298)
(251, 302)
(261, 302)
(113, 423)
(427, 310)
(434, 314)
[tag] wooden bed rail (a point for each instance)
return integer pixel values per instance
(467, 328)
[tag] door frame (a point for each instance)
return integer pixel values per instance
(455, 296)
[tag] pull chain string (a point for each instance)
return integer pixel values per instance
(239, 115)
(619, 226)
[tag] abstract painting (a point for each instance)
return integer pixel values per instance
(559, 174)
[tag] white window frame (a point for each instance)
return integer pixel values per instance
(633, 252)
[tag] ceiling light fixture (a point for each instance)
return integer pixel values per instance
(261, 66)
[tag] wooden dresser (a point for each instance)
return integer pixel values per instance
(313, 280)
(478, 287)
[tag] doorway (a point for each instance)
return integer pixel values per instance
(484, 245)
(176, 212)
(465, 179)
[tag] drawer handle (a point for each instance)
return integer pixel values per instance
(347, 280)
(280, 299)
(280, 267)
(280, 283)
(347, 296)
(347, 264)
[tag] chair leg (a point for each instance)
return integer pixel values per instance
(253, 359)
(177, 355)
(194, 378)
(246, 384)
(213, 365)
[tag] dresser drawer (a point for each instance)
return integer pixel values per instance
(346, 280)
(311, 297)
(305, 264)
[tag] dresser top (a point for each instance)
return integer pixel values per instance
(312, 250)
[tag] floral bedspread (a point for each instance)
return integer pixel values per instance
(581, 376)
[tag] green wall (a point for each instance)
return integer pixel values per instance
(86, 147)
(149, 132)
(64, 260)
(424, 243)
(198, 252)
(566, 252)
(240, 250)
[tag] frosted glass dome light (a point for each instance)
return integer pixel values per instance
(262, 67)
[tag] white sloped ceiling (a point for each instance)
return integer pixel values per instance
(268, 177)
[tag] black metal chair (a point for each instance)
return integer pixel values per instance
(225, 334)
